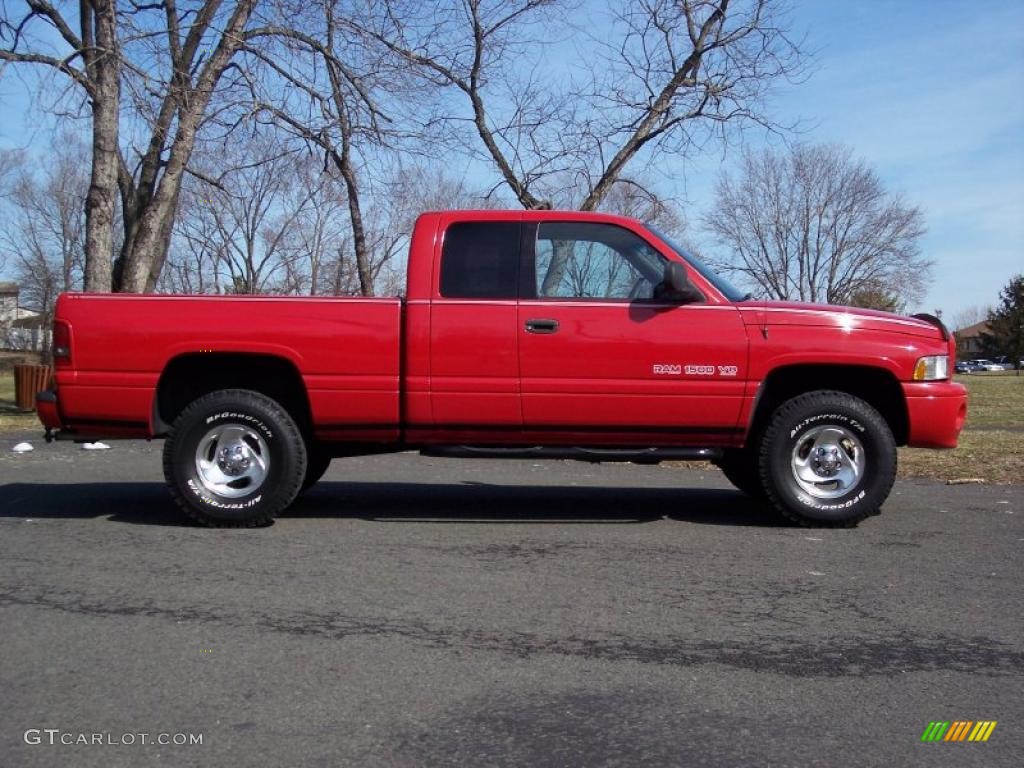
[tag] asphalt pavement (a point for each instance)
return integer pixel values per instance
(434, 612)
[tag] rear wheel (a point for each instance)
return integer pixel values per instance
(234, 458)
(827, 459)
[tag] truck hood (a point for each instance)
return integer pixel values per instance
(830, 316)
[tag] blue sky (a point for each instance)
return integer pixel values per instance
(930, 93)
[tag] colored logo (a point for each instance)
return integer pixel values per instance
(959, 730)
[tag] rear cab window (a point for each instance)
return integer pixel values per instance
(480, 260)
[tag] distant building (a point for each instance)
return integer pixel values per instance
(8, 302)
(968, 340)
(20, 328)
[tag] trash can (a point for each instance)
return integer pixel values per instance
(29, 380)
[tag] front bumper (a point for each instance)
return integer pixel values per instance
(936, 411)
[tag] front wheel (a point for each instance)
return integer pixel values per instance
(234, 458)
(827, 459)
(740, 468)
(317, 463)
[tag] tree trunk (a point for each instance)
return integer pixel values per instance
(358, 232)
(101, 199)
(149, 248)
(561, 252)
(141, 265)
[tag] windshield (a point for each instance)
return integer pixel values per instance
(727, 289)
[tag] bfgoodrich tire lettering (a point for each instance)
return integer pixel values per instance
(827, 459)
(234, 458)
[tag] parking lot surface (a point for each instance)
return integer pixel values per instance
(427, 612)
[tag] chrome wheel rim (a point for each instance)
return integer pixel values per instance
(232, 461)
(828, 462)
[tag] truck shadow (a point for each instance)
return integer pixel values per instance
(471, 502)
(461, 503)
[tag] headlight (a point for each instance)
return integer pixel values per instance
(932, 368)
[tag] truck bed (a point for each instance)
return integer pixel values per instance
(346, 350)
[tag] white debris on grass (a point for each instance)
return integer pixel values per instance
(95, 447)
(23, 448)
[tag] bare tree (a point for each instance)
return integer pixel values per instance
(43, 233)
(319, 86)
(969, 316)
(636, 201)
(675, 72)
(317, 244)
(459, 45)
(243, 223)
(196, 254)
(10, 161)
(170, 57)
(815, 224)
(159, 77)
(323, 245)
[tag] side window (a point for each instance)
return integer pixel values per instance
(594, 261)
(480, 260)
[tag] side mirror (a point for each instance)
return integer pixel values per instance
(676, 285)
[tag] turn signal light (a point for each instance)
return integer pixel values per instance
(932, 368)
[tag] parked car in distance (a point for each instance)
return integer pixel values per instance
(988, 365)
(967, 366)
(1006, 362)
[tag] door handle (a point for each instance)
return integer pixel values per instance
(540, 325)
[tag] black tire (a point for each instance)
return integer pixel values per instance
(740, 468)
(317, 463)
(234, 458)
(827, 459)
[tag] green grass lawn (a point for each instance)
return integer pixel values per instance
(997, 399)
(991, 445)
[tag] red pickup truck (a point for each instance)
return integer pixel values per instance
(522, 334)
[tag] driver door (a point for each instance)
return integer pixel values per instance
(598, 353)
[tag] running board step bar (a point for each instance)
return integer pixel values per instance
(636, 455)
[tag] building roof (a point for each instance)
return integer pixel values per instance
(971, 331)
(9, 289)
